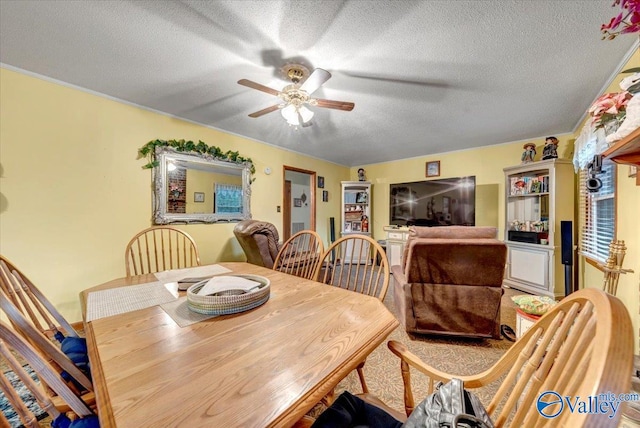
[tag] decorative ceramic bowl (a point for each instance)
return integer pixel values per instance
(229, 301)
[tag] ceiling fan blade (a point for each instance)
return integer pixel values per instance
(265, 111)
(253, 85)
(338, 105)
(315, 80)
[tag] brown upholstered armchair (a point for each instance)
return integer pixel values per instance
(259, 240)
(451, 281)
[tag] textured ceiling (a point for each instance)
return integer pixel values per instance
(425, 76)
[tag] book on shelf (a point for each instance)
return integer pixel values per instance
(535, 187)
(516, 187)
(528, 185)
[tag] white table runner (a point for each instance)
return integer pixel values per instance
(114, 301)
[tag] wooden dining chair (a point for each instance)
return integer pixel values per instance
(300, 254)
(36, 317)
(32, 303)
(10, 343)
(75, 375)
(160, 248)
(356, 263)
(581, 348)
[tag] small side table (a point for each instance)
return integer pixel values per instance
(524, 321)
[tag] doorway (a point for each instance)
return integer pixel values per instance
(299, 201)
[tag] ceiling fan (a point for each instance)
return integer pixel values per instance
(296, 95)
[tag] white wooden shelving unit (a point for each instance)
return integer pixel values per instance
(356, 205)
(538, 196)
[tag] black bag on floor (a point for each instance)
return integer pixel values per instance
(449, 406)
(350, 411)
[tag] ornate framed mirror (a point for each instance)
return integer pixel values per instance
(196, 188)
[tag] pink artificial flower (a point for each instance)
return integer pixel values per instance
(613, 24)
(632, 5)
(631, 29)
(628, 21)
(609, 106)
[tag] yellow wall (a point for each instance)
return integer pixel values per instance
(72, 191)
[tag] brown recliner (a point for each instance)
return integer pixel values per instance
(259, 240)
(451, 281)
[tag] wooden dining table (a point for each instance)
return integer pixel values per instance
(265, 367)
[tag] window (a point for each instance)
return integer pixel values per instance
(597, 214)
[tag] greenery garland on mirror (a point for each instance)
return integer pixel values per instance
(149, 151)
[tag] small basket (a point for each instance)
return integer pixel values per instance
(230, 301)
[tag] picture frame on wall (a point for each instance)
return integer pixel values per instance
(297, 202)
(320, 182)
(198, 196)
(325, 196)
(433, 169)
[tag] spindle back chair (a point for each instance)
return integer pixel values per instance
(300, 255)
(160, 248)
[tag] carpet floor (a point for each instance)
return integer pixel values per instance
(25, 395)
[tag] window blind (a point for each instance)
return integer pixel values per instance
(597, 214)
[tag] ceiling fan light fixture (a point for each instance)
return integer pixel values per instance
(305, 113)
(293, 114)
(296, 95)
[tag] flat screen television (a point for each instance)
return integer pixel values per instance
(442, 202)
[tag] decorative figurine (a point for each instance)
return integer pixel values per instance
(365, 223)
(529, 153)
(550, 150)
(361, 175)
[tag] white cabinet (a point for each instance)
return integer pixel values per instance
(396, 240)
(356, 213)
(529, 266)
(539, 195)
